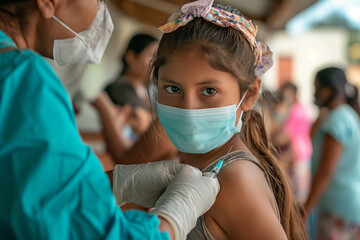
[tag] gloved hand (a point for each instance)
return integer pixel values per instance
(142, 184)
(188, 196)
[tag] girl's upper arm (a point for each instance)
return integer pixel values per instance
(243, 208)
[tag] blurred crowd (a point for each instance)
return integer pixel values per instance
(321, 157)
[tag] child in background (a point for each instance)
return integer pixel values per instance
(130, 89)
(208, 70)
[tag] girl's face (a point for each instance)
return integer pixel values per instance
(188, 81)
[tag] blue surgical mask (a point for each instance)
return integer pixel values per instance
(199, 130)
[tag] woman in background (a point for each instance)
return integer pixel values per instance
(335, 188)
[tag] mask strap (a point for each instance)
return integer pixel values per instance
(68, 28)
(239, 123)
(242, 99)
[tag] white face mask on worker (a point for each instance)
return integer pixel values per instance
(87, 46)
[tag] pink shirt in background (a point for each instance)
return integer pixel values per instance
(298, 125)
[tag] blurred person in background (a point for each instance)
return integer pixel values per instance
(297, 125)
(130, 90)
(335, 166)
(279, 137)
(265, 105)
(268, 105)
(153, 145)
(291, 135)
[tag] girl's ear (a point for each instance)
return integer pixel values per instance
(47, 7)
(252, 95)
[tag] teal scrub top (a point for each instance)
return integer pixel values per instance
(52, 186)
(342, 196)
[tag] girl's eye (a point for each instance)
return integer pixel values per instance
(209, 91)
(172, 89)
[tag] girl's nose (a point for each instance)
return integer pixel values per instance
(190, 101)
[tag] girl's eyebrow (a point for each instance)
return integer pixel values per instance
(209, 81)
(164, 79)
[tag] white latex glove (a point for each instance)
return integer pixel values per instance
(188, 196)
(142, 184)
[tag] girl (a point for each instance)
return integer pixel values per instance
(207, 71)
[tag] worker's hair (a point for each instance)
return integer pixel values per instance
(227, 50)
(18, 8)
(335, 79)
(21, 7)
(11, 2)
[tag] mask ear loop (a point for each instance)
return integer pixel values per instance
(239, 123)
(68, 28)
(241, 100)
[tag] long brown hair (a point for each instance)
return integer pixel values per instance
(227, 50)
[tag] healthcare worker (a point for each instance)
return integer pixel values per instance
(51, 185)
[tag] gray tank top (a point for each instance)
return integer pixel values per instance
(200, 231)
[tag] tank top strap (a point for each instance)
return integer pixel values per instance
(247, 156)
(235, 156)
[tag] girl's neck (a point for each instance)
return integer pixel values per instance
(200, 161)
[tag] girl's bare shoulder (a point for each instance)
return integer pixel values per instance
(244, 206)
(244, 181)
